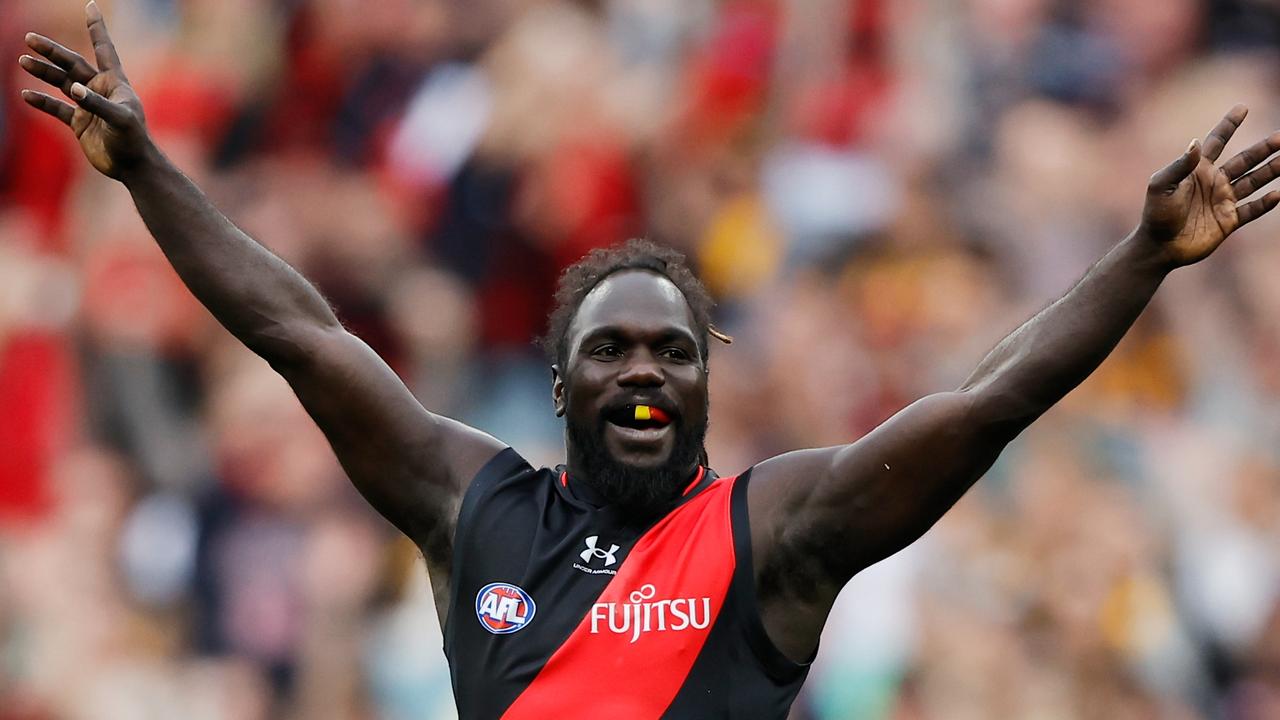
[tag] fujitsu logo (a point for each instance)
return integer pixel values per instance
(644, 614)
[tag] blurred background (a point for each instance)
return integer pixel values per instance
(875, 192)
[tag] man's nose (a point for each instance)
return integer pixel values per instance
(642, 370)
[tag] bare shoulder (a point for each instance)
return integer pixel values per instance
(793, 588)
(858, 502)
(781, 489)
(784, 481)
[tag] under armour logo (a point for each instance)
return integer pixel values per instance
(594, 552)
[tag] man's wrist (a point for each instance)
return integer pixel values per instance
(1146, 253)
(146, 165)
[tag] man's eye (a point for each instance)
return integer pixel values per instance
(607, 351)
(675, 353)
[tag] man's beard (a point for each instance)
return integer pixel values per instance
(638, 491)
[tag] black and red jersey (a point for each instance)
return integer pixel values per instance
(564, 608)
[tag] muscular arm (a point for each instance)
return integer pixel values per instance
(1053, 352)
(819, 516)
(886, 489)
(410, 464)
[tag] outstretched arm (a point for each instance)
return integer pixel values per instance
(819, 516)
(410, 464)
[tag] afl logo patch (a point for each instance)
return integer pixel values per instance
(504, 608)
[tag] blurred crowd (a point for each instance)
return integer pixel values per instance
(875, 192)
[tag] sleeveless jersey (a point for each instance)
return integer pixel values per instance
(563, 608)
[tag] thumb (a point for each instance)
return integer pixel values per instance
(1167, 178)
(115, 114)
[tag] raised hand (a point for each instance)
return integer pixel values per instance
(107, 117)
(1192, 205)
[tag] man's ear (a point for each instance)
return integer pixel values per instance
(557, 391)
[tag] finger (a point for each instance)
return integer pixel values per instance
(1167, 178)
(1257, 208)
(103, 49)
(45, 71)
(115, 114)
(1249, 184)
(1251, 156)
(49, 104)
(76, 66)
(1217, 138)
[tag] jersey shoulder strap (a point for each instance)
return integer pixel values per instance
(506, 467)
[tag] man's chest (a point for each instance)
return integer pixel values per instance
(544, 594)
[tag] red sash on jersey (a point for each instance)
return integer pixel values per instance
(630, 655)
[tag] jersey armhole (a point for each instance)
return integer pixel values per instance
(774, 662)
(506, 463)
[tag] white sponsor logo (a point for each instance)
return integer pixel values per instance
(644, 614)
(594, 552)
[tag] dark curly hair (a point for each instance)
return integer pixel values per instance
(580, 278)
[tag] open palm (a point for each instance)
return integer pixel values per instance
(107, 117)
(1193, 205)
(104, 144)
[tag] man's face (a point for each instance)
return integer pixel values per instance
(632, 343)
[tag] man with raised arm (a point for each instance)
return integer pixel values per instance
(633, 582)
